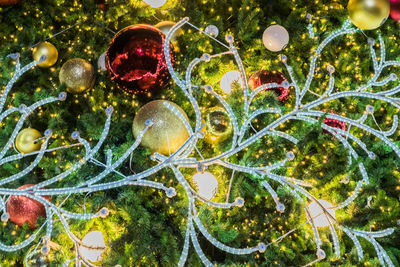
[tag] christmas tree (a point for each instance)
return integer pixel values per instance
(231, 148)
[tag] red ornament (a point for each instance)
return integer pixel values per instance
(135, 59)
(264, 76)
(335, 123)
(9, 2)
(25, 210)
(395, 9)
(102, 5)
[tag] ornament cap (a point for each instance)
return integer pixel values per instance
(4, 217)
(104, 212)
(22, 108)
(109, 110)
(48, 132)
(290, 155)
(239, 202)
(170, 192)
(261, 247)
(75, 135)
(62, 96)
(45, 250)
(149, 122)
(229, 38)
(280, 207)
(206, 57)
(321, 254)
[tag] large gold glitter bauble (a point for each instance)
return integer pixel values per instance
(218, 125)
(49, 51)
(78, 75)
(25, 141)
(167, 134)
(368, 14)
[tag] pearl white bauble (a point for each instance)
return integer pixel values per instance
(212, 30)
(275, 38)
(228, 79)
(155, 3)
(207, 184)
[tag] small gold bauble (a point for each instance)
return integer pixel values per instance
(165, 27)
(78, 75)
(49, 51)
(25, 141)
(218, 125)
(167, 134)
(368, 14)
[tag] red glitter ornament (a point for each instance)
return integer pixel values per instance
(135, 59)
(25, 210)
(264, 76)
(395, 9)
(335, 123)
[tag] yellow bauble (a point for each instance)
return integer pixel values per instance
(167, 134)
(25, 141)
(368, 14)
(165, 26)
(218, 125)
(78, 75)
(47, 50)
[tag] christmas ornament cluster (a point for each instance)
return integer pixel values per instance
(137, 62)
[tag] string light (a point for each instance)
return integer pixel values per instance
(319, 215)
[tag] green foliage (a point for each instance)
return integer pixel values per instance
(144, 227)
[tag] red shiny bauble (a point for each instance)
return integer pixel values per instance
(264, 76)
(135, 59)
(395, 9)
(9, 2)
(25, 210)
(335, 123)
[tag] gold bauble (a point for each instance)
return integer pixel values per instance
(368, 14)
(78, 75)
(49, 51)
(25, 141)
(165, 26)
(218, 125)
(167, 134)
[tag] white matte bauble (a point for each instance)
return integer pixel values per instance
(228, 79)
(207, 184)
(93, 246)
(101, 62)
(275, 38)
(155, 3)
(318, 215)
(212, 30)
